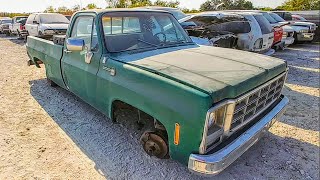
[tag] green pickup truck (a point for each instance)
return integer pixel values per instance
(205, 105)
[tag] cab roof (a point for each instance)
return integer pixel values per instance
(99, 11)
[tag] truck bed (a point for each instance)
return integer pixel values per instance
(49, 54)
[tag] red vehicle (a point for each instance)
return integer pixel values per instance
(278, 32)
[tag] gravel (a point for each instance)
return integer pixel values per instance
(50, 133)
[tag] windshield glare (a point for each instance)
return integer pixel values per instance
(53, 19)
(276, 17)
(125, 31)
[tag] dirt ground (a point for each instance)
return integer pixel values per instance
(48, 133)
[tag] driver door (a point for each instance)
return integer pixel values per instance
(79, 68)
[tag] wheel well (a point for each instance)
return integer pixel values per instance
(147, 120)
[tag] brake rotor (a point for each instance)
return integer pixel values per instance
(154, 145)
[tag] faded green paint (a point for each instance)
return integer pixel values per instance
(174, 85)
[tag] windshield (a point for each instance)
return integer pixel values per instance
(276, 17)
(6, 21)
(141, 30)
(265, 26)
(20, 18)
(269, 18)
(53, 19)
(178, 14)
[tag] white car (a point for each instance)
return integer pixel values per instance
(47, 24)
(225, 27)
(17, 26)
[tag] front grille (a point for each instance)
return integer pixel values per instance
(253, 103)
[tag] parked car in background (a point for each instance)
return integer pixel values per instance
(298, 18)
(219, 29)
(202, 106)
(5, 24)
(68, 17)
(177, 13)
(47, 24)
(18, 26)
(261, 37)
(303, 31)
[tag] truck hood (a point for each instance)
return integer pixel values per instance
(55, 26)
(220, 72)
(301, 23)
(287, 28)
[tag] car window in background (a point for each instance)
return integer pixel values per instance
(269, 18)
(276, 17)
(287, 16)
(233, 24)
(178, 14)
(20, 18)
(6, 21)
(53, 18)
(265, 26)
(30, 19)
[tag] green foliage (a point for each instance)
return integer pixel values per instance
(211, 5)
(186, 10)
(173, 4)
(91, 6)
(11, 15)
(300, 5)
(266, 9)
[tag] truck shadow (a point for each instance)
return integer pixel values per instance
(117, 153)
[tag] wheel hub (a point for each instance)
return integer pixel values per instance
(154, 145)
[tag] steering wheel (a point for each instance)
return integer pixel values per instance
(164, 36)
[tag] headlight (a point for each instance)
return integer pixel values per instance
(215, 126)
(304, 31)
(258, 44)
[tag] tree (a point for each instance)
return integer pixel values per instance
(173, 4)
(50, 9)
(62, 9)
(140, 3)
(299, 5)
(91, 6)
(212, 5)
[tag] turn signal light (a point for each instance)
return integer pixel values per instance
(177, 134)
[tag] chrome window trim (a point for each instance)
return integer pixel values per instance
(230, 103)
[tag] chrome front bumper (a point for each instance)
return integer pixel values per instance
(212, 164)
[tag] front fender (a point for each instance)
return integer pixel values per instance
(168, 101)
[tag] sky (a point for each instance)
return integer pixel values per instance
(41, 5)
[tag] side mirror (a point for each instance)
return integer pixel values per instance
(35, 22)
(75, 44)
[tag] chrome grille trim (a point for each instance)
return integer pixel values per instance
(234, 107)
(248, 106)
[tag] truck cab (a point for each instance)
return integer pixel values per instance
(205, 105)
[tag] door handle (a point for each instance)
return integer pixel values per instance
(67, 51)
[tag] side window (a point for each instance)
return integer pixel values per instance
(287, 16)
(94, 39)
(82, 29)
(30, 19)
(37, 18)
